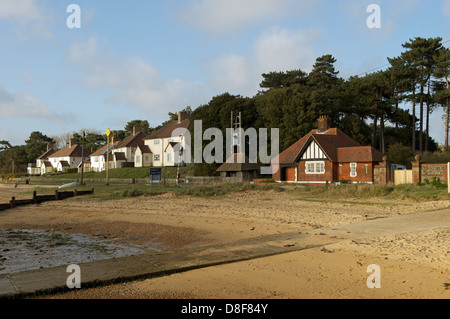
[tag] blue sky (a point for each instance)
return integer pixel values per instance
(142, 59)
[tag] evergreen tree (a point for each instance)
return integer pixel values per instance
(442, 72)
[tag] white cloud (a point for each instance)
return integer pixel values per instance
(131, 81)
(219, 16)
(277, 49)
(25, 105)
(29, 17)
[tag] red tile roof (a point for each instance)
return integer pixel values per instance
(47, 164)
(46, 154)
(337, 145)
(64, 163)
(145, 149)
(103, 150)
(133, 140)
(71, 151)
(166, 130)
(120, 156)
(240, 164)
(359, 154)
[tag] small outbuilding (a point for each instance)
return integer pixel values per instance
(241, 169)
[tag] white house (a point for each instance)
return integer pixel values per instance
(143, 156)
(124, 153)
(36, 169)
(46, 167)
(99, 157)
(165, 148)
(67, 157)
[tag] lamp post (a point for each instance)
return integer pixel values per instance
(82, 158)
(108, 132)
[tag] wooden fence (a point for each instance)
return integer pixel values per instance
(38, 199)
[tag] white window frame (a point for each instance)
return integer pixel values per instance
(353, 169)
(156, 142)
(138, 158)
(170, 157)
(315, 167)
(156, 157)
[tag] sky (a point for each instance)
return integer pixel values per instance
(142, 59)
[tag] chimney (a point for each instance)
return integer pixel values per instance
(71, 142)
(324, 123)
(182, 116)
(137, 129)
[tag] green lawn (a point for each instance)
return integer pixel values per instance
(138, 172)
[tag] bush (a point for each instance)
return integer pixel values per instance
(400, 154)
(72, 170)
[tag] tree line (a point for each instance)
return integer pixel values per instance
(388, 109)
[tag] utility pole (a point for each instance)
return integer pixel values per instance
(108, 132)
(13, 169)
(82, 158)
(236, 124)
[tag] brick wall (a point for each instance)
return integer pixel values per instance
(427, 171)
(328, 176)
(364, 172)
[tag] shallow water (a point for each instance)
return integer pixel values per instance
(22, 250)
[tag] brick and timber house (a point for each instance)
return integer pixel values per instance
(328, 155)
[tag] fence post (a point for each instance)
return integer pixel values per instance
(34, 197)
(448, 177)
(56, 195)
(13, 202)
(75, 193)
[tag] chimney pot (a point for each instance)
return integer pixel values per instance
(324, 123)
(182, 116)
(137, 129)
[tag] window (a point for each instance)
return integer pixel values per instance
(170, 157)
(156, 157)
(147, 159)
(353, 169)
(315, 168)
(156, 142)
(138, 159)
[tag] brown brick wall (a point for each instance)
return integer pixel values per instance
(429, 171)
(328, 176)
(362, 175)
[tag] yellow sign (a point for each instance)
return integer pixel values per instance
(108, 132)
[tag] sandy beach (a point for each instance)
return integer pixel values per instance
(413, 265)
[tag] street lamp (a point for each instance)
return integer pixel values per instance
(82, 158)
